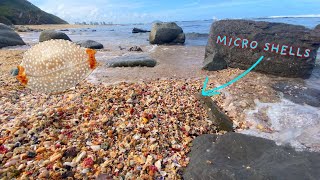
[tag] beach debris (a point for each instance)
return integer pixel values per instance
(55, 65)
(136, 48)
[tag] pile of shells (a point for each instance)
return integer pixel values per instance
(141, 130)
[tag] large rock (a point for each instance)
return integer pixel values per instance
(218, 56)
(8, 37)
(90, 44)
(236, 156)
(51, 34)
(166, 33)
(132, 61)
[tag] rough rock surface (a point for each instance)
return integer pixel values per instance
(90, 44)
(166, 33)
(219, 56)
(137, 30)
(132, 61)
(298, 93)
(236, 156)
(220, 119)
(8, 37)
(51, 34)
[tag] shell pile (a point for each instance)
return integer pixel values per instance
(55, 65)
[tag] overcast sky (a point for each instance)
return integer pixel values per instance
(136, 11)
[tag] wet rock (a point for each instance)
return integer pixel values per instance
(132, 61)
(298, 93)
(90, 44)
(220, 119)
(8, 37)
(137, 30)
(64, 30)
(166, 33)
(237, 156)
(136, 48)
(218, 56)
(51, 34)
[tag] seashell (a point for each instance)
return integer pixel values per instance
(79, 157)
(56, 65)
(55, 157)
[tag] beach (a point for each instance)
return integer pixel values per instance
(132, 122)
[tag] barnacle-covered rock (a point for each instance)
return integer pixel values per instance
(55, 65)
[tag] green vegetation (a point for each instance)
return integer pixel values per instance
(23, 12)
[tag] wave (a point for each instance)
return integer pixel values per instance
(297, 16)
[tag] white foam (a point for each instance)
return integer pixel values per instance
(290, 124)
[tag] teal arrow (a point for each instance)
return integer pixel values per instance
(213, 92)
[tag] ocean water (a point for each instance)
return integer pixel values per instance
(112, 36)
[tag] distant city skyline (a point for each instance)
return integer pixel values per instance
(143, 11)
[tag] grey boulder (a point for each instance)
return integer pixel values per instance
(236, 156)
(132, 61)
(51, 34)
(90, 44)
(166, 33)
(218, 56)
(8, 37)
(137, 30)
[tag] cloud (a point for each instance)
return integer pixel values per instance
(134, 11)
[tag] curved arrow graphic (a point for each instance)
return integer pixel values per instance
(213, 92)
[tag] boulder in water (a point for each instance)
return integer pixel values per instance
(51, 34)
(90, 44)
(8, 37)
(166, 33)
(137, 30)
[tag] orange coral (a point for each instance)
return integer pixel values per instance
(22, 77)
(92, 60)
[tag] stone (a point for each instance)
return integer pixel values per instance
(90, 44)
(132, 61)
(51, 34)
(8, 37)
(219, 118)
(234, 156)
(218, 56)
(166, 33)
(14, 72)
(137, 30)
(298, 93)
(136, 48)
(317, 28)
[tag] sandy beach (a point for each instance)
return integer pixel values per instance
(128, 122)
(106, 126)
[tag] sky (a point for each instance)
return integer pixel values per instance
(144, 11)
